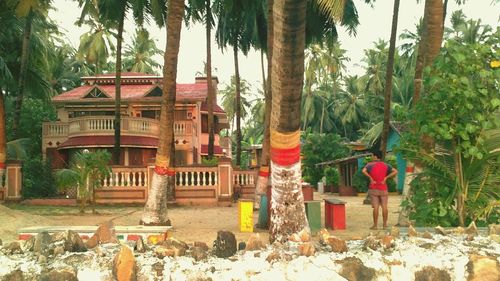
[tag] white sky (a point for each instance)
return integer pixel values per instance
(374, 23)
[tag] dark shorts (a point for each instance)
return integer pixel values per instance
(378, 197)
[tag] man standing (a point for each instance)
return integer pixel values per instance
(378, 172)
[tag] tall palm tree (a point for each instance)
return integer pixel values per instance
(228, 100)
(388, 79)
(138, 56)
(287, 209)
(155, 211)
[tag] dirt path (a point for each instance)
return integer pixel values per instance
(192, 223)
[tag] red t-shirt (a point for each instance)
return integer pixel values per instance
(378, 170)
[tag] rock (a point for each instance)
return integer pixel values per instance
(106, 233)
(225, 244)
(92, 242)
(483, 268)
(427, 246)
(495, 237)
(442, 231)
(28, 245)
(157, 268)
(323, 236)
(59, 250)
(492, 229)
(72, 241)
(199, 253)
(430, 273)
(471, 229)
(256, 255)
(305, 235)
(412, 232)
(387, 242)
(16, 275)
(178, 246)
(427, 235)
(124, 266)
(459, 230)
(140, 247)
(294, 238)
(354, 269)
(338, 245)
(163, 251)
(202, 245)
(13, 248)
(242, 246)
(273, 256)
(42, 259)
(306, 249)
(254, 243)
(371, 243)
(59, 275)
(470, 237)
(42, 243)
(395, 231)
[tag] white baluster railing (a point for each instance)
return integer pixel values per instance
(196, 177)
(126, 177)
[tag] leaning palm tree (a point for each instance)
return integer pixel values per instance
(155, 211)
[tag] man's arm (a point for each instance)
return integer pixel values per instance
(393, 173)
(365, 172)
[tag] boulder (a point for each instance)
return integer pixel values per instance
(124, 266)
(164, 251)
(72, 241)
(178, 246)
(387, 242)
(67, 274)
(254, 242)
(92, 242)
(104, 234)
(16, 275)
(199, 253)
(430, 273)
(305, 235)
(471, 229)
(495, 237)
(202, 245)
(427, 235)
(353, 269)
(412, 232)
(13, 248)
(338, 245)
(59, 250)
(323, 236)
(395, 231)
(42, 243)
(442, 231)
(483, 268)
(273, 256)
(459, 230)
(306, 249)
(225, 244)
(140, 247)
(371, 243)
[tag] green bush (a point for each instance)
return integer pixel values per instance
(360, 181)
(332, 176)
(209, 161)
(38, 180)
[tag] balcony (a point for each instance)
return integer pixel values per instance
(104, 126)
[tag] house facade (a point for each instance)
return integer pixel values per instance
(86, 115)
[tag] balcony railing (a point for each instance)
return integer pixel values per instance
(104, 125)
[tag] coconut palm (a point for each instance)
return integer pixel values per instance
(139, 55)
(229, 101)
(155, 211)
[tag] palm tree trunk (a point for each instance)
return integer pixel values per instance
(118, 83)
(237, 105)
(264, 171)
(3, 139)
(263, 72)
(287, 206)
(388, 80)
(22, 73)
(211, 93)
(155, 211)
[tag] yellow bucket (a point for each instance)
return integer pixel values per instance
(245, 215)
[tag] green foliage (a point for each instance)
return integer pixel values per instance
(360, 181)
(86, 172)
(38, 180)
(212, 162)
(332, 176)
(319, 148)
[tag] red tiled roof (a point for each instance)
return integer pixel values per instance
(108, 141)
(123, 74)
(185, 92)
(217, 108)
(217, 149)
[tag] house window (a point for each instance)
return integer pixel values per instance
(204, 123)
(180, 115)
(153, 114)
(95, 93)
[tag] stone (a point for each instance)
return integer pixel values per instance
(387, 242)
(470, 237)
(412, 232)
(42, 259)
(483, 268)
(304, 235)
(59, 250)
(16, 275)
(13, 248)
(202, 245)
(163, 251)
(72, 241)
(495, 237)
(427, 235)
(354, 269)
(42, 243)
(430, 273)
(323, 236)
(92, 242)
(225, 244)
(124, 265)
(371, 243)
(199, 253)
(306, 249)
(174, 243)
(471, 229)
(492, 229)
(459, 230)
(140, 247)
(273, 256)
(28, 245)
(242, 246)
(67, 274)
(440, 230)
(338, 245)
(395, 231)
(294, 238)
(157, 268)
(254, 242)
(426, 246)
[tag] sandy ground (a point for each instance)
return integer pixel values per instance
(195, 223)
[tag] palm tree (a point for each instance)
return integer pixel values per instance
(155, 211)
(388, 79)
(139, 54)
(228, 100)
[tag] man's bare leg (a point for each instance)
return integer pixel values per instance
(385, 210)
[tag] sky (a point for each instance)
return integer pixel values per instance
(375, 23)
